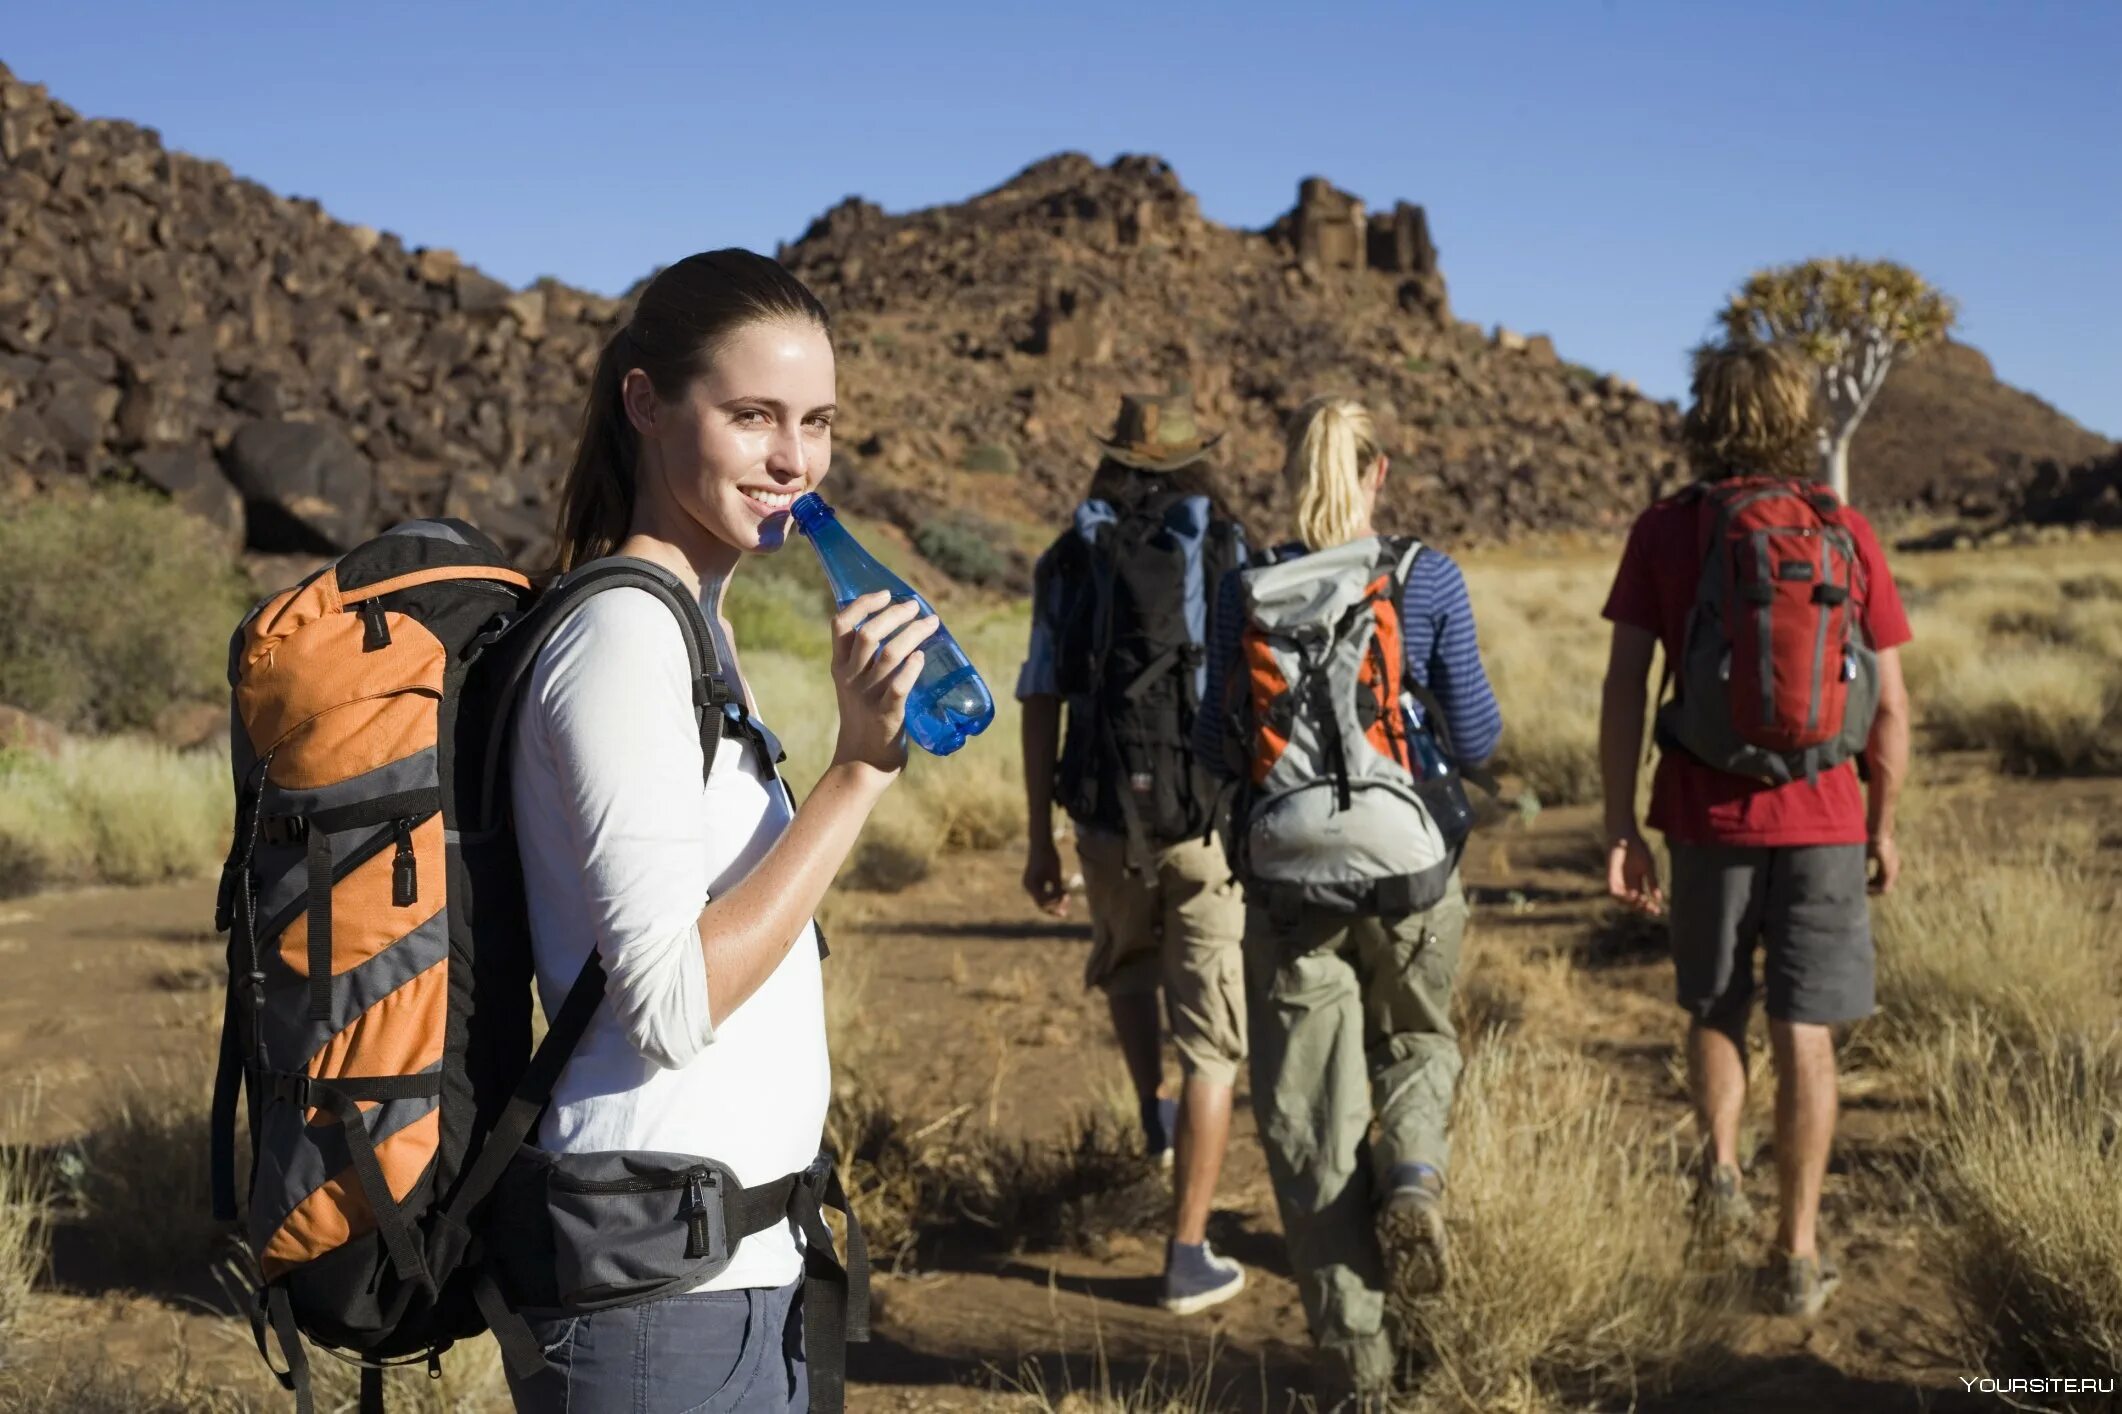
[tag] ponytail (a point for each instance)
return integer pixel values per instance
(597, 499)
(681, 321)
(1331, 444)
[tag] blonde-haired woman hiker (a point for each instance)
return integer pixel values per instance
(1349, 970)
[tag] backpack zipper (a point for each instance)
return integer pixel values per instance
(693, 1180)
(405, 876)
(375, 629)
(695, 1215)
(361, 854)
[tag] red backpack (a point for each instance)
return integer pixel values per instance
(1775, 678)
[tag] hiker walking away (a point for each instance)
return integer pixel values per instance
(1354, 700)
(693, 880)
(1781, 628)
(1119, 614)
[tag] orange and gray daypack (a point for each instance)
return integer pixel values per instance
(1775, 679)
(376, 1033)
(1345, 803)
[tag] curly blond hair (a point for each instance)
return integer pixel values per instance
(1756, 409)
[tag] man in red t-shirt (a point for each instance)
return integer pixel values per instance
(1783, 866)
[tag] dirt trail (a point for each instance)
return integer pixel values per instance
(971, 1002)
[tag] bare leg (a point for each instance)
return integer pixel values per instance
(1716, 1079)
(1204, 1130)
(1138, 1025)
(1805, 1128)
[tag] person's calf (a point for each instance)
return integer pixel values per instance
(1806, 1107)
(1203, 1135)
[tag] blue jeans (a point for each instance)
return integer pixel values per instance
(699, 1353)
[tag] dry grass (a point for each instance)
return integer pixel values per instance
(119, 811)
(2028, 1162)
(915, 1181)
(2017, 938)
(145, 1190)
(2021, 659)
(973, 799)
(1159, 1390)
(1569, 1281)
(25, 1235)
(1544, 645)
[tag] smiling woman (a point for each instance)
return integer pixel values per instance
(672, 1188)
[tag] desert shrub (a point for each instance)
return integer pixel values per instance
(780, 609)
(118, 811)
(112, 609)
(2018, 937)
(970, 551)
(2044, 710)
(2027, 1230)
(912, 1185)
(2023, 660)
(1568, 1277)
(991, 457)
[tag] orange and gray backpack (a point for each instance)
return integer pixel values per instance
(1345, 803)
(377, 1027)
(1775, 679)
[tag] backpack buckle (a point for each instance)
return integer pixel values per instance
(291, 1086)
(283, 830)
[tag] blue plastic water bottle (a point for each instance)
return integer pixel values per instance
(949, 702)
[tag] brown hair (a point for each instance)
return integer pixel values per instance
(680, 322)
(1756, 409)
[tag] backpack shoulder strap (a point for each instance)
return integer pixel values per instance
(710, 693)
(524, 638)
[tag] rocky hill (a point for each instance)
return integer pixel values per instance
(300, 381)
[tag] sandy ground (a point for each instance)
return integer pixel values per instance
(973, 1001)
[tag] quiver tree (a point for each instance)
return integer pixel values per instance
(1853, 318)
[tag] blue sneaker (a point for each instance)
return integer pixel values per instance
(1160, 1128)
(1196, 1278)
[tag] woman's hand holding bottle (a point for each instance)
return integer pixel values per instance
(876, 661)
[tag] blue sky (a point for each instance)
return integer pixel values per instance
(1604, 172)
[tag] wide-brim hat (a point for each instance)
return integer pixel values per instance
(1157, 431)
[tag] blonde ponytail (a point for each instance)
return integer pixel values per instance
(1332, 444)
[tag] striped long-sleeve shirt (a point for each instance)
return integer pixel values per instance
(1443, 654)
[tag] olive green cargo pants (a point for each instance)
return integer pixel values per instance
(1351, 1023)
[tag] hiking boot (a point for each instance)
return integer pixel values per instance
(1802, 1284)
(1719, 1211)
(1411, 1230)
(1198, 1277)
(1160, 1130)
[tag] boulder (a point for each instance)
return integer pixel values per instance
(193, 479)
(305, 486)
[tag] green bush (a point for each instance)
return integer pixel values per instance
(970, 551)
(113, 609)
(117, 811)
(991, 457)
(777, 603)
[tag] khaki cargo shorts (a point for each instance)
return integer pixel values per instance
(1182, 929)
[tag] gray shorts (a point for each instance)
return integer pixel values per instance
(1805, 903)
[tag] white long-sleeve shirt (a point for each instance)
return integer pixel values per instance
(623, 845)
